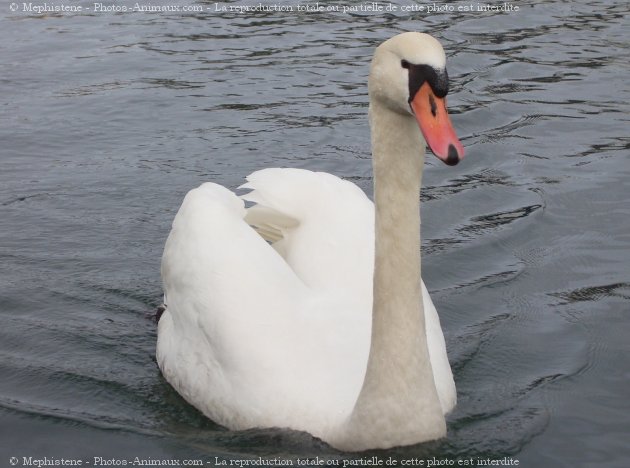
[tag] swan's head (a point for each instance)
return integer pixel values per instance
(408, 76)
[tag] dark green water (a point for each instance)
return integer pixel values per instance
(107, 120)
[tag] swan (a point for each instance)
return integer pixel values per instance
(307, 310)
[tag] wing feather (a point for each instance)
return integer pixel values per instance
(322, 225)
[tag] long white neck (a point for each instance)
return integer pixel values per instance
(398, 404)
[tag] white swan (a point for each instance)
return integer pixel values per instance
(260, 335)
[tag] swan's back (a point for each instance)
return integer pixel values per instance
(247, 339)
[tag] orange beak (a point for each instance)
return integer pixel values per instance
(431, 114)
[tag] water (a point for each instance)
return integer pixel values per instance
(109, 119)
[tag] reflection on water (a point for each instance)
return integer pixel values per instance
(109, 119)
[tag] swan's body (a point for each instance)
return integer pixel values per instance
(260, 335)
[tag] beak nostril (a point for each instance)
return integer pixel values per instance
(433, 105)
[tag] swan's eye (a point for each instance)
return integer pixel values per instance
(404, 63)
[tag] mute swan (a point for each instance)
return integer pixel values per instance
(329, 329)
